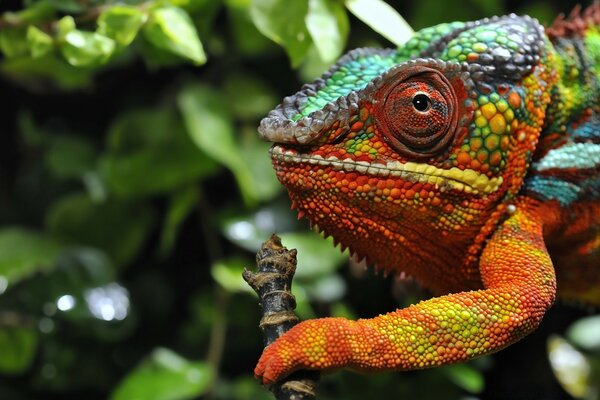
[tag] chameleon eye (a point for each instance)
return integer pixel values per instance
(417, 112)
(421, 102)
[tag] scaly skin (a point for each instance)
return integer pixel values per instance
(468, 159)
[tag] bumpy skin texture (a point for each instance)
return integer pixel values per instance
(468, 159)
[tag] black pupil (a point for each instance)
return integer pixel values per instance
(421, 102)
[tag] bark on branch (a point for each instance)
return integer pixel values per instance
(273, 284)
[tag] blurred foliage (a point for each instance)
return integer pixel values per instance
(134, 190)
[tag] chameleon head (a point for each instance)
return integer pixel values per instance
(399, 155)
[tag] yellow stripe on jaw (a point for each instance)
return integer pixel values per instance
(458, 178)
(468, 180)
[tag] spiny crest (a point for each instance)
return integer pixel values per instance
(576, 23)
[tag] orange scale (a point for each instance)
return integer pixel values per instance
(482, 156)
(381, 185)
(476, 164)
(390, 183)
(350, 176)
(357, 126)
(495, 158)
(362, 180)
(463, 158)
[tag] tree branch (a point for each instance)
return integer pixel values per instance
(273, 284)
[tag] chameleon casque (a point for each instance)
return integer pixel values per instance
(469, 159)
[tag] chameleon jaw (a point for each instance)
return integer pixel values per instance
(468, 180)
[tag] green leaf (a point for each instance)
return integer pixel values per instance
(49, 69)
(34, 13)
(248, 97)
(326, 288)
(171, 28)
(13, 42)
(255, 154)
(316, 256)
(80, 289)
(117, 227)
(165, 375)
(283, 22)
(70, 156)
(156, 57)
(17, 346)
(571, 367)
(181, 204)
(466, 377)
(194, 5)
(121, 23)
(40, 43)
(23, 252)
(247, 37)
(211, 128)
(328, 26)
(64, 25)
(141, 128)
(228, 273)
(585, 333)
(150, 153)
(151, 171)
(82, 49)
(313, 66)
(249, 230)
(382, 18)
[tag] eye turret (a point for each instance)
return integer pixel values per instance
(418, 112)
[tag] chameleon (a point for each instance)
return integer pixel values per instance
(468, 159)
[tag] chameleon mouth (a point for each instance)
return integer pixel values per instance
(468, 180)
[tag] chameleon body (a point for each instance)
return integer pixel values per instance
(469, 159)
